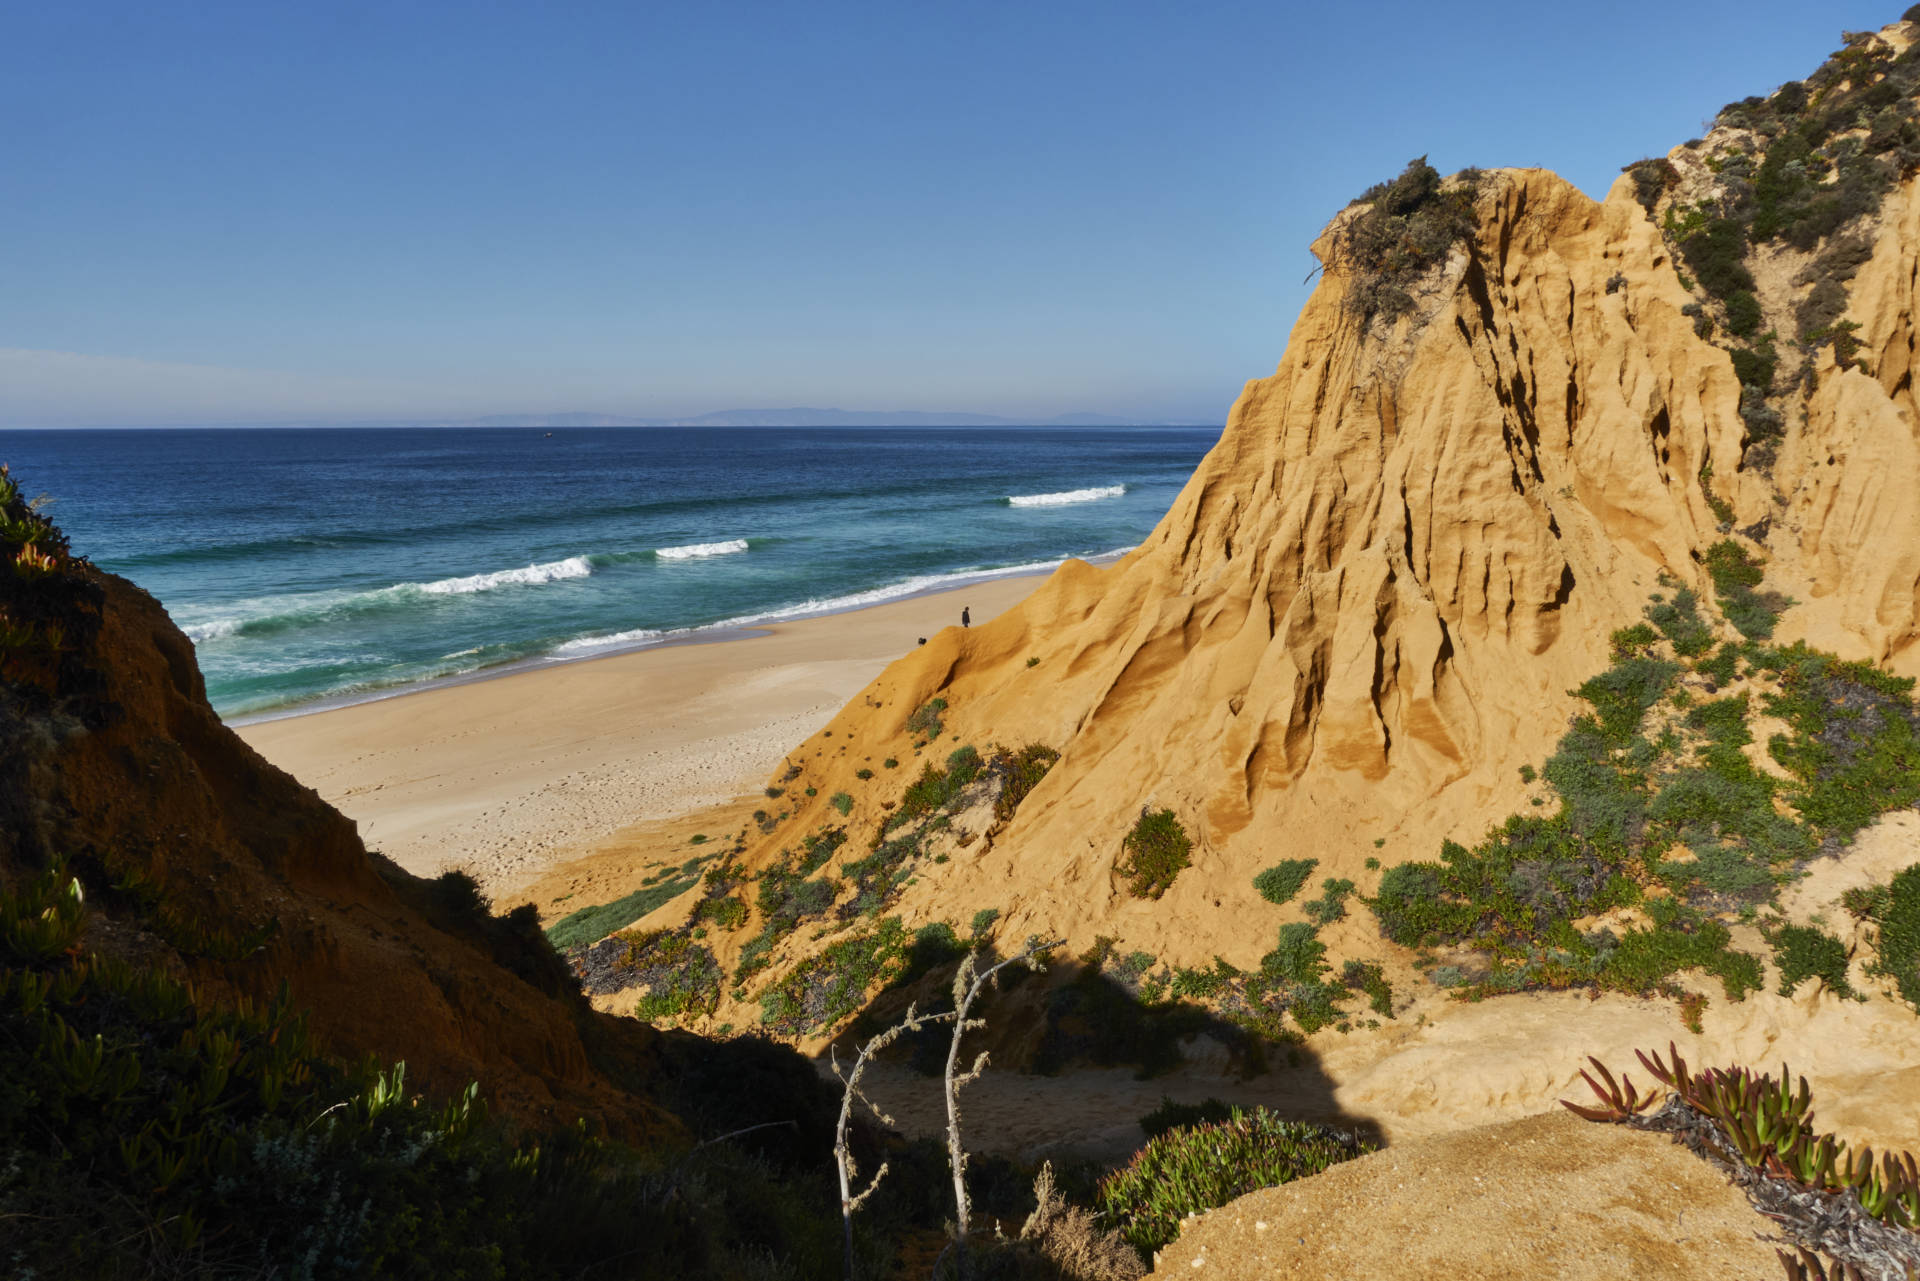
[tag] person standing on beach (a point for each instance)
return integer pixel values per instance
(966, 616)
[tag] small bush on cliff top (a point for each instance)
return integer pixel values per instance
(1410, 226)
(1201, 1167)
(1156, 849)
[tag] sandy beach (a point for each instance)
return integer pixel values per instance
(510, 776)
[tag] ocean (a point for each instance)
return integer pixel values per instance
(317, 566)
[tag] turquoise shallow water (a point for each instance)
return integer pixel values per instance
(328, 564)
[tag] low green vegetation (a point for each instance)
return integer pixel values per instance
(1803, 952)
(1736, 573)
(842, 801)
(825, 989)
(828, 987)
(680, 976)
(1668, 815)
(1854, 745)
(1895, 909)
(590, 924)
(1279, 883)
(1815, 160)
(1194, 1168)
(1156, 850)
(1331, 906)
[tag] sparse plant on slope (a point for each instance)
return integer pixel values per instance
(1156, 850)
(1279, 883)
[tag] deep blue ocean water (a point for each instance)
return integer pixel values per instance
(323, 564)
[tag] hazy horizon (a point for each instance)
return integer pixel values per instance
(243, 215)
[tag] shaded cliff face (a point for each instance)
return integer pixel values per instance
(1363, 612)
(202, 859)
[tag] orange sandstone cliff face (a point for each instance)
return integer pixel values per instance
(1362, 613)
(1851, 473)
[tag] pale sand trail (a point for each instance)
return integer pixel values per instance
(509, 777)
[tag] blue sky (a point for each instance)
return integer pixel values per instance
(261, 212)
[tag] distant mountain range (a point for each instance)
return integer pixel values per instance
(802, 417)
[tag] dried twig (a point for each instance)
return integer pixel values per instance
(842, 1154)
(968, 983)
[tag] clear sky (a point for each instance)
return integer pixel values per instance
(232, 212)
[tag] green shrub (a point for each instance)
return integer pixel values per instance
(1200, 1167)
(863, 774)
(1743, 314)
(1899, 945)
(1410, 226)
(728, 912)
(1368, 978)
(1298, 955)
(1644, 959)
(1735, 574)
(983, 920)
(1156, 849)
(1279, 883)
(1803, 952)
(926, 719)
(1020, 772)
(1331, 906)
(680, 975)
(1680, 622)
(1622, 694)
(1632, 642)
(826, 988)
(1722, 667)
(842, 801)
(1855, 745)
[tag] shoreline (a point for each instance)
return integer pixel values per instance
(746, 627)
(511, 774)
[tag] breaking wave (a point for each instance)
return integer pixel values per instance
(1066, 497)
(697, 551)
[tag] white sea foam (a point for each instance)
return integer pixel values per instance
(695, 551)
(212, 629)
(1067, 496)
(533, 575)
(817, 606)
(614, 641)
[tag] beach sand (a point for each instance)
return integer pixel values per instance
(509, 777)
